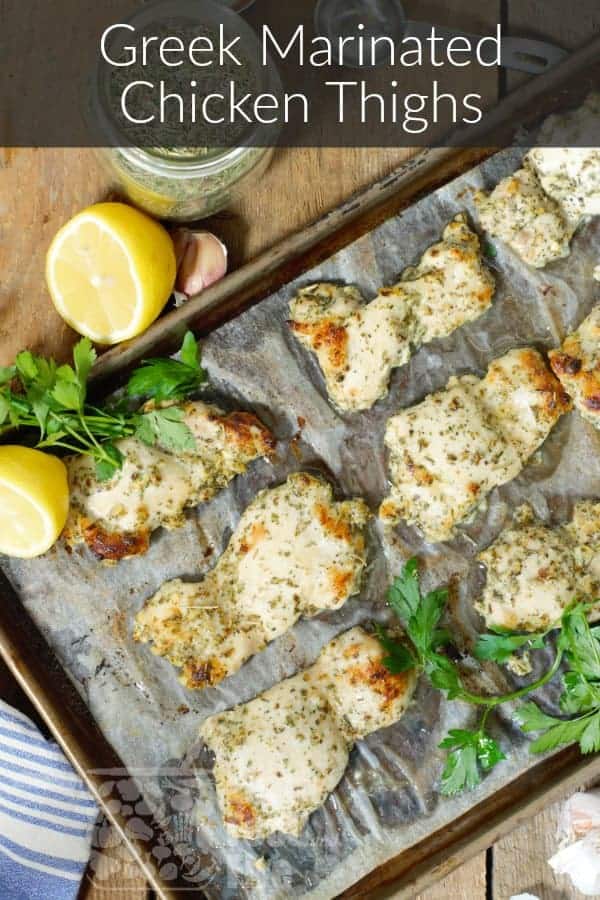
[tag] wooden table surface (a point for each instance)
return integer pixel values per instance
(40, 189)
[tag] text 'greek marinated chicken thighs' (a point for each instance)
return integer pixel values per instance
(280, 755)
(358, 344)
(447, 453)
(577, 365)
(295, 552)
(115, 518)
(535, 571)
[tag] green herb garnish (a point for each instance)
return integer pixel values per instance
(37, 393)
(581, 690)
(473, 752)
(500, 644)
(169, 379)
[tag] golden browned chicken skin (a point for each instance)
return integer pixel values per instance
(447, 453)
(358, 344)
(296, 551)
(577, 365)
(154, 487)
(280, 755)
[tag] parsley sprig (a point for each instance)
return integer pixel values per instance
(580, 697)
(471, 752)
(37, 393)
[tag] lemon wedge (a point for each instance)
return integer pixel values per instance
(34, 501)
(110, 270)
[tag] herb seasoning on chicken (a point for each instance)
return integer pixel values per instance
(570, 173)
(521, 214)
(115, 518)
(358, 344)
(280, 755)
(295, 552)
(535, 571)
(571, 176)
(577, 364)
(448, 452)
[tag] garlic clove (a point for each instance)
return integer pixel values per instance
(202, 260)
(580, 814)
(181, 238)
(581, 862)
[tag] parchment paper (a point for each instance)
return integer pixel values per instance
(388, 797)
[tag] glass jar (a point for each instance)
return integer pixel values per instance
(182, 172)
(170, 186)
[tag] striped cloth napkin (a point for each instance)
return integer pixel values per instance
(46, 815)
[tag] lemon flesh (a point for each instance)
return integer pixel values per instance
(110, 270)
(34, 501)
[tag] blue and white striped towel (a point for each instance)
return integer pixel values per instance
(46, 815)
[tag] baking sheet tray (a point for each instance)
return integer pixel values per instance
(387, 800)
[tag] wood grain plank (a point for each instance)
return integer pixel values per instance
(467, 883)
(41, 189)
(521, 861)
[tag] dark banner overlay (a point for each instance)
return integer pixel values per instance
(189, 74)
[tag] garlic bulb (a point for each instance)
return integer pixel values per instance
(201, 260)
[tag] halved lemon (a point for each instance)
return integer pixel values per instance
(110, 270)
(34, 501)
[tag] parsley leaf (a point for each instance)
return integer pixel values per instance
(444, 675)
(581, 690)
(67, 390)
(475, 752)
(404, 595)
(562, 733)
(461, 770)
(70, 389)
(165, 427)
(36, 393)
(556, 732)
(26, 366)
(470, 751)
(84, 357)
(500, 645)
(7, 373)
(589, 741)
(4, 410)
(110, 463)
(488, 752)
(399, 658)
(190, 352)
(531, 718)
(169, 379)
(582, 647)
(579, 695)
(422, 626)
